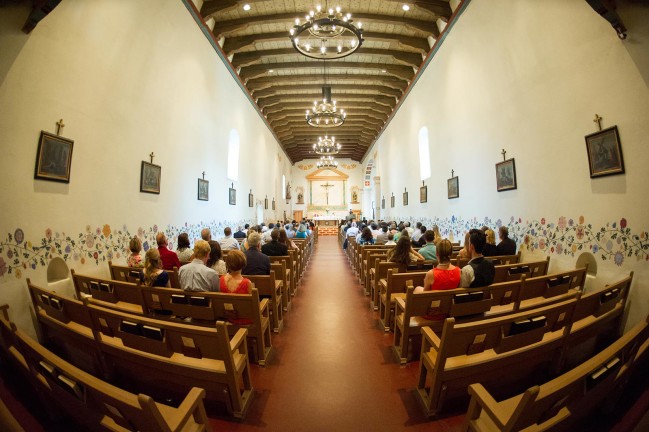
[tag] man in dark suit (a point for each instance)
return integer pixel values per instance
(258, 263)
(506, 246)
(239, 234)
(274, 247)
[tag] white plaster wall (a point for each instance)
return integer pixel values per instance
(307, 167)
(128, 78)
(529, 76)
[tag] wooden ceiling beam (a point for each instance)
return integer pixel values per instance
(440, 8)
(251, 72)
(273, 100)
(273, 80)
(376, 89)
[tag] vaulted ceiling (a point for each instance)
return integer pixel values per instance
(367, 84)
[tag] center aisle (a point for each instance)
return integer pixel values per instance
(332, 368)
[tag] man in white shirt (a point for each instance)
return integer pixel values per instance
(197, 276)
(228, 242)
(265, 237)
(416, 235)
(352, 231)
(409, 229)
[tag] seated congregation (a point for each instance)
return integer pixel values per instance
(530, 348)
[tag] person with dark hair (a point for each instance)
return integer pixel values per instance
(206, 234)
(135, 258)
(240, 232)
(215, 261)
(183, 251)
(403, 253)
(445, 276)
(479, 271)
(168, 257)
(418, 232)
(390, 241)
(429, 251)
(382, 237)
(366, 237)
(274, 247)
(283, 239)
(228, 242)
(506, 246)
(421, 242)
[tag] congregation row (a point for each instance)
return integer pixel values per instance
(217, 265)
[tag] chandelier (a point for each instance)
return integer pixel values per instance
(326, 146)
(326, 34)
(325, 113)
(327, 162)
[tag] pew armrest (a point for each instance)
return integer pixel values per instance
(400, 304)
(482, 400)
(187, 409)
(430, 339)
(263, 307)
(238, 339)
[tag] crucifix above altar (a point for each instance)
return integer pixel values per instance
(327, 191)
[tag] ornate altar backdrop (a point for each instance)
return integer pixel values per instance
(327, 191)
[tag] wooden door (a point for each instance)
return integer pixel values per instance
(297, 215)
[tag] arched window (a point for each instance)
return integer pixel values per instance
(424, 154)
(233, 155)
(283, 186)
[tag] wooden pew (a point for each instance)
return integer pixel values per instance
(495, 351)
(131, 274)
(271, 288)
(395, 286)
(514, 271)
(559, 404)
(110, 293)
(141, 350)
(279, 267)
(381, 273)
(536, 290)
(370, 267)
(96, 404)
(365, 252)
(291, 286)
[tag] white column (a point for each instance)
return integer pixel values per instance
(377, 197)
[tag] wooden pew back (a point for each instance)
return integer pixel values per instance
(128, 274)
(126, 294)
(515, 271)
(549, 286)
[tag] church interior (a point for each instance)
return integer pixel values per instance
(127, 120)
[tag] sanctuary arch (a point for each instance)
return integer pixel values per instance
(327, 191)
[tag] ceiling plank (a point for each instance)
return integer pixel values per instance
(251, 72)
(288, 89)
(272, 80)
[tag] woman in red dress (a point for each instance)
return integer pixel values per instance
(445, 276)
(232, 282)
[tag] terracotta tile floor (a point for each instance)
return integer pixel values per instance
(333, 369)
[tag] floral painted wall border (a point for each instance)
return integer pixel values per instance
(19, 255)
(566, 236)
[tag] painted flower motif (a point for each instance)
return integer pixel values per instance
(18, 273)
(512, 219)
(145, 246)
(124, 227)
(571, 222)
(3, 267)
(109, 254)
(499, 223)
(34, 266)
(552, 249)
(622, 223)
(140, 232)
(559, 248)
(10, 254)
(106, 230)
(543, 221)
(53, 250)
(595, 248)
(75, 256)
(25, 265)
(57, 235)
(542, 244)
(88, 228)
(98, 231)
(155, 228)
(618, 258)
(95, 255)
(118, 255)
(581, 220)
(19, 236)
(562, 223)
(67, 249)
(90, 240)
(580, 232)
(574, 248)
(83, 260)
(609, 245)
(48, 234)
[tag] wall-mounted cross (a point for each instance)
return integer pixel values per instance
(598, 121)
(152, 155)
(452, 173)
(203, 175)
(60, 125)
(504, 153)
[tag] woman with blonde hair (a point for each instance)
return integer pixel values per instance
(464, 252)
(153, 274)
(135, 258)
(438, 235)
(233, 282)
(445, 276)
(490, 248)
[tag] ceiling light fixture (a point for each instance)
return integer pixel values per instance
(326, 146)
(405, 7)
(327, 162)
(246, 7)
(333, 32)
(325, 113)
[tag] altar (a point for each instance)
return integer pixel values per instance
(327, 224)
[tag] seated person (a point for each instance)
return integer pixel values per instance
(265, 236)
(232, 282)
(283, 238)
(382, 236)
(490, 247)
(168, 257)
(506, 246)
(479, 271)
(206, 234)
(228, 242)
(301, 232)
(196, 276)
(215, 259)
(257, 263)
(183, 251)
(390, 241)
(464, 252)
(420, 242)
(274, 247)
(366, 237)
(135, 258)
(445, 276)
(153, 275)
(429, 250)
(240, 233)
(438, 235)
(403, 253)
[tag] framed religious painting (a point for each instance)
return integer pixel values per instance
(405, 198)
(423, 194)
(203, 190)
(251, 199)
(266, 203)
(232, 196)
(604, 153)
(53, 158)
(506, 175)
(150, 178)
(383, 203)
(273, 203)
(453, 187)
(392, 201)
